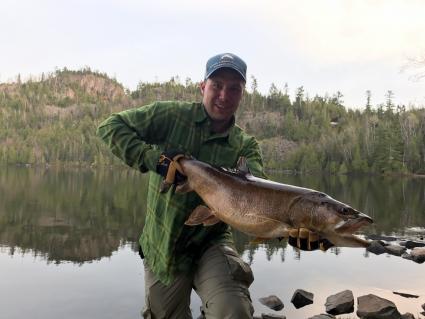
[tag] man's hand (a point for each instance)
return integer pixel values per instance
(305, 239)
(169, 168)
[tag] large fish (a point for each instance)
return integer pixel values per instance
(266, 209)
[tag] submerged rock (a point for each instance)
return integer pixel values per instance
(381, 237)
(407, 256)
(374, 307)
(405, 295)
(395, 250)
(273, 302)
(376, 247)
(342, 302)
(302, 298)
(323, 316)
(272, 316)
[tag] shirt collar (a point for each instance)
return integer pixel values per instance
(201, 115)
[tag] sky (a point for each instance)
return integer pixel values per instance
(325, 46)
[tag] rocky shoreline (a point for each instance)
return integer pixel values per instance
(368, 306)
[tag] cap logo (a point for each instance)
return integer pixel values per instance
(226, 56)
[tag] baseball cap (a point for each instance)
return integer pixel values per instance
(225, 60)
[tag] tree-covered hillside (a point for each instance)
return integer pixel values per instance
(53, 121)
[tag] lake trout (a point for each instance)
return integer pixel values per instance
(267, 209)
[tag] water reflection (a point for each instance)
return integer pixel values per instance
(78, 216)
(93, 218)
(69, 215)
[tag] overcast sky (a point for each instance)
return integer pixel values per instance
(326, 46)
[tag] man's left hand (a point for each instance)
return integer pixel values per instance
(306, 239)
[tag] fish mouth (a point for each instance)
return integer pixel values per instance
(353, 224)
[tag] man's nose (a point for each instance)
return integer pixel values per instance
(223, 94)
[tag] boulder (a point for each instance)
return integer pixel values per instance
(374, 307)
(395, 250)
(376, 247)
(407, 315)
(302, 298)
(272, 316)
(323, 316)
(412, 244)
(423, 306)
(342, 302)
(273, 302)
(418, 254)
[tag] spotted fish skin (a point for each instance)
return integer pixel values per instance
(267, 209)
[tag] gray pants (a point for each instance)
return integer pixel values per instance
(221, 280)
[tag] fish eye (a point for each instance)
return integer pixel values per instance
(344, 210)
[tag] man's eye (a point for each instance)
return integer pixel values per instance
(216, 85)
(235, 89)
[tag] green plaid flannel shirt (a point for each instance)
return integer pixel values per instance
(138, 137)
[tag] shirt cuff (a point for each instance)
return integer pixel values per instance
(151, 159)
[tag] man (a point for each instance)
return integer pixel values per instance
(179, 258)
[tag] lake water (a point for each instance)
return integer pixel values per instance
(68, 246)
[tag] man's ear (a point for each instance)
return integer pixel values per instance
(202, 86)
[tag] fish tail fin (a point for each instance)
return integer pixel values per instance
(202, 215)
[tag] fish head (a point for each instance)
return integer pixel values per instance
(331, 216)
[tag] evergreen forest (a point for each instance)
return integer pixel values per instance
(52, 120)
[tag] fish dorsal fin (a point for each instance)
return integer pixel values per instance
(242, 166)
(202, 215)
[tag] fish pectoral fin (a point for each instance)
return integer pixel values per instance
(202, 215)
(184, 188)
(212, 220)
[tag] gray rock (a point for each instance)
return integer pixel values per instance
(342, 302)
(302, 298)
(423, 313)
(273, 302)
(412, 244)
(376, 247)
(418, 254)
(407, 315)
(395, 250)
(323, 316)
(374, 307)
(423, 306)
(272, 316)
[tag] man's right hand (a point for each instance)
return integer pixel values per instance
(169, 168)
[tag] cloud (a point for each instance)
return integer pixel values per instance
(349, 31)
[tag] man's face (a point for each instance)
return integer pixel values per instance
(222, 93)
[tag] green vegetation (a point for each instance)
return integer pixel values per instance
(53, 121)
